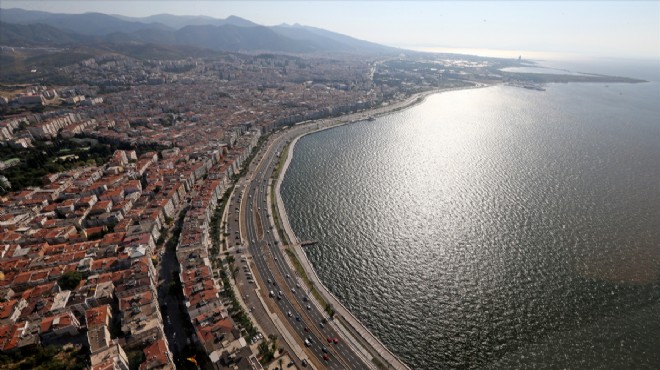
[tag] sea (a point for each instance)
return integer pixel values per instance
(497, 227)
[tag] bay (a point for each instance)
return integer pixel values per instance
(494, 227)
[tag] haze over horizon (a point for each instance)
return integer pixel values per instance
(505, 29)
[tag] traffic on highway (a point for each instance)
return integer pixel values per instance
(266, 266)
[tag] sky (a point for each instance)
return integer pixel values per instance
(617, 29)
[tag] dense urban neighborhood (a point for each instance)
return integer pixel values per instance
(143, 153)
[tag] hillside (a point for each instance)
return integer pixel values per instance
(34, 28)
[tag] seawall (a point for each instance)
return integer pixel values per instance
(344, 318)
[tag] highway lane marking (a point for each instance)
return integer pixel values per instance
(252, 234)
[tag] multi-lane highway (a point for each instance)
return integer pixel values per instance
(283, 292)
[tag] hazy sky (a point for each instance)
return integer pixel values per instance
(625, 29)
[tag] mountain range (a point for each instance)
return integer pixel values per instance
(36, 28)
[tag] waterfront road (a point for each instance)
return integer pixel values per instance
(264, 262)
(277, 299)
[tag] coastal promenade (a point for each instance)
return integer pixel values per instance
(345, 322)
(267, 259)
(291, 313)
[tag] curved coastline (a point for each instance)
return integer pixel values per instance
(349, 322)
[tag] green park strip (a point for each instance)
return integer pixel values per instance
(310, 285)
(273, 200)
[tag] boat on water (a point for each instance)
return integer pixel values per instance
(371, 118)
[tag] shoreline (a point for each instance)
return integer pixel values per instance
(343, 315)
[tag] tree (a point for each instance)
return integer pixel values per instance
(70, 280)
(273, 339)
(330, 310)
(135, 358)
(266, 351)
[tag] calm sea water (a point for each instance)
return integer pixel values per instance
(494, 228)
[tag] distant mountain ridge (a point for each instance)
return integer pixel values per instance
(24, 27)
(180, 21)
(86, 24)
(38, 35)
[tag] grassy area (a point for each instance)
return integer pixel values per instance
(303, 274)
(276, 219)
(276, 215)
(280, 162)
(378, 363)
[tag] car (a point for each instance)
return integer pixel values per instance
(306, 329)
(326, 357)
(305, 298)
(293, 290)
(289, 314)
(308, 343)
(325, 350)
(297, 318)
(304, 362)
(309, 307)
(287, 276)
(329, 340)
(290, 364)
(269, 281)
(321, 325)
(336, 341)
